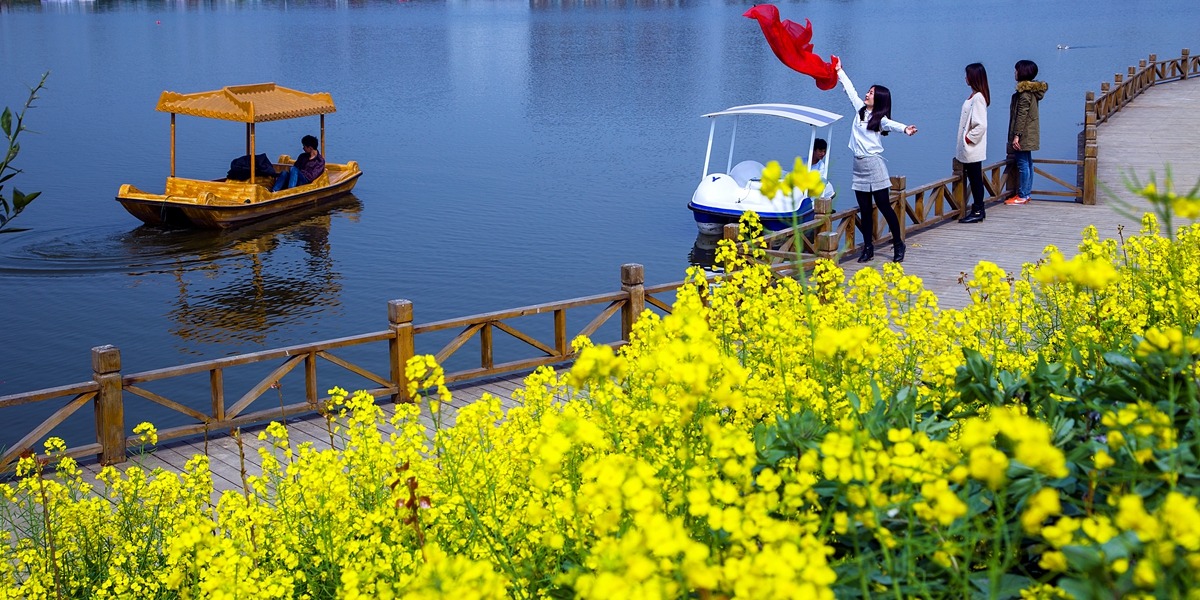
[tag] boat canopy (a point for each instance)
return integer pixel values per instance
(256, 103)
(805, 114)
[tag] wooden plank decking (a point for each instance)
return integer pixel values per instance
(1144, 136)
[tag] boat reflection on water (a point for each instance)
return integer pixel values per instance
(704, 251)
(237, 287)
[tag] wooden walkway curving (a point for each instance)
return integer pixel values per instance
(1144, 136)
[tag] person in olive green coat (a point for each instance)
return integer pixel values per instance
(1024, 135)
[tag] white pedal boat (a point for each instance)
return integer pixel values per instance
(722, 197)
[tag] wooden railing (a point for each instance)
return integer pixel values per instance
(830, 233)
(109, 389)
(1123, 89)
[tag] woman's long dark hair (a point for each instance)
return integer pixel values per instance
(883, 108)
(977, 79)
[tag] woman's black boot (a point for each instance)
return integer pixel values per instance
(976, 216)
(899, 252)
(867, 254)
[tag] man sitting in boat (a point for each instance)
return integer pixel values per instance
(307, 168)
(820, 149)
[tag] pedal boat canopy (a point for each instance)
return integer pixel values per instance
(222, 203)
(721, 198)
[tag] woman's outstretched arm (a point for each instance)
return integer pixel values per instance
(849, 87)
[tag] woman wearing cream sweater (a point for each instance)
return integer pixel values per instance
(972, 137)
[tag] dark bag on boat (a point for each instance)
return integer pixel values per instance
(239, 168)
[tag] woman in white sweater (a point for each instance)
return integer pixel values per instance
(870, 181)
(972, 137)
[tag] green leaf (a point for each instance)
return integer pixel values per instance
(1120, 546)
(1010, 586)
(1081, 590)
(1083, 558)
(854, 401)
(1115, 359)
(6, 122)
(25, 200)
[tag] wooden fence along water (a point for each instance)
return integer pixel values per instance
(1123, 89)
(110, 388)
(830, 235)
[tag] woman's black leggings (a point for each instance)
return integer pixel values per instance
(975, 178)
(866, 216)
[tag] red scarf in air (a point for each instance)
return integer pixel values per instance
(791, 43)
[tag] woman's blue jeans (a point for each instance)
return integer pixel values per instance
(293, 177)
(1024, 172)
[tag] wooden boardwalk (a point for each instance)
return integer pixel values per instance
(1144, 136)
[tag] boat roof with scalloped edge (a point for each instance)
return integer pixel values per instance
(255, 103)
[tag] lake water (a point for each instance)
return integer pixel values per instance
(514, 152)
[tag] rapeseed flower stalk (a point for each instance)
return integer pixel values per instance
(770, 438)
(799, 180)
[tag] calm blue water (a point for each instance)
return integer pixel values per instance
(514, 153)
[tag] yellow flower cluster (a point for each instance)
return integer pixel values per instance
(1080, 270)
(770, 438)
(1187, 206)
(1171, 341)
(800, 179)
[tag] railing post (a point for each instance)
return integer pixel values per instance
(1087, 171)
(560, 332)
(1010, 175)
(216, 383)
(485, 347)
(827, 244)
(109, 404)
(1185, 54)
(1153, 63)
(958, 189)
(730, 232)
(400, 346)
(633, 280)
(310, 378)
(823, 206)
(899, 183)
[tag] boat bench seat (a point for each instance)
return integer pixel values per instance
(746, 170)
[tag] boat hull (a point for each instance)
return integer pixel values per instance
(712, 220)
(200, 211)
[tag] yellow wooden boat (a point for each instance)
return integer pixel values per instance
(220, 203)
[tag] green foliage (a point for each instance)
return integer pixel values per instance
(14, 205)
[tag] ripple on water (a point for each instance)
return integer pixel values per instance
(84, 251)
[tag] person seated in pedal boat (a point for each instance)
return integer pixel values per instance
(307, 168)
(820, 149)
